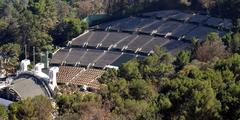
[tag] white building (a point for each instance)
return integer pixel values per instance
(29, 83)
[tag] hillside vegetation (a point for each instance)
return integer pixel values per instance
(202, 83)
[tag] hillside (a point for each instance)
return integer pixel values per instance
(157, 59)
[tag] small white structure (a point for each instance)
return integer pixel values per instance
(24, 65)
(38, 71)
(112, 67)
(84, 88)
(3, 73)
(53, 77)
(38, 67)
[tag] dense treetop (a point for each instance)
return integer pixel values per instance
(185, 87)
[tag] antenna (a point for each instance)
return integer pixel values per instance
(34, 59)
(25, 51)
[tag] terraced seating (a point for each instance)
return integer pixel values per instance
(166, 13)
(67, 73)
(167, 27)
(112, 25)
(79, 41)
(179, 46)
(227, 24)
(104, 26)
(214, 22)
(114, 45)
(96, 38)
(198, 18)
(107, 59)
(139, 42)
(182, 29)
(123, 59)
(200, 33)
(74, 56)
(145, 23)
(118, 24)
(79, 76)
(173, 44)
(149, 29)
(124, 42)
(60, 56)
(181, 16)
(90, 56)
(113, 38)
(136, 24)
(88, 77)
(158, 41)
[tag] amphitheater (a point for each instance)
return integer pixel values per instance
(113, 43)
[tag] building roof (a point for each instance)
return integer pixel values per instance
(30, 86)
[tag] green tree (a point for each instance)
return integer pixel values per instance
(190, 99)
(232, 63)
(134, 109)
(39, 107)
(68, 29)
(11, 52)
(3, 112)
(233, 42)
(230, 102)
(42, 107)
(69, 103)
(237, 25)
(140, 89)
(157, 65)
(183, 58)
(130, 70)
(191, 71)
(46, 13)
(22, 110)
(109, 76)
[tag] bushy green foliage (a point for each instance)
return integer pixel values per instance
(3, 112)
(68, 103)
(191, 99)
(140, 89)
(31, 22)
(11, 52)
(68, 29)
(183, 58)
(82, 106)
(39, 107)
(157, 65)
(130, 70)
(233, 42)
(196, 90)
(232, 63)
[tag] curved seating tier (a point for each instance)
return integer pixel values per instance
(79, 76)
